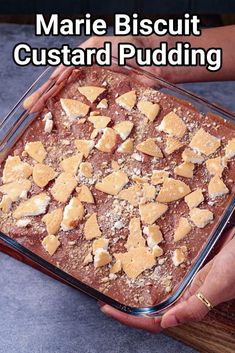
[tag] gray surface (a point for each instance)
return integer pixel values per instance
(37, 313)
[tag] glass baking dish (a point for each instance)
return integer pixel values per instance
(28, 108)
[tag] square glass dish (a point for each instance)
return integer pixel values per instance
(158, 291)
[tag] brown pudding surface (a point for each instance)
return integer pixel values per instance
(163, 266)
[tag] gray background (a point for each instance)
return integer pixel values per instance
(37, 313)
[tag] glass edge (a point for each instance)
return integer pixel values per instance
(30, 88)
(144, 311)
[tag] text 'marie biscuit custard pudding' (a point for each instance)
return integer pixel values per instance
(118, 184)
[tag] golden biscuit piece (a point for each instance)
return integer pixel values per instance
(91, 92)
(36, 150)
(127, 100)
(15, 169)
(73, 108)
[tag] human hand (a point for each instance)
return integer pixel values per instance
(166, 72)
(37, 99)
(215, 281)
(175, 74)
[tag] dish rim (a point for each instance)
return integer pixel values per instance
(161, 307)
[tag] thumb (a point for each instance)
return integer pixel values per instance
(215, 281)
(191, 308)
(197, 281)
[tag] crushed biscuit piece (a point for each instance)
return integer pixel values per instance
(47, 116)
(132, 194)
(65, 142)
(205, 143)
(161, 261)
(34, 206)
(126, 146)
(48, 126)
(137, 157)
(53, 220)
(124, 128)
(84, 146)
(73, 214)
(48, 123)
(91, 228)
(194, 198)
(135, 237)
(112, 276)
(63, 187)
(182, 230)
(73, 108)
(149, 109)
(114, 165)
(173, 125)
(127, 100)
(5, 204)
(172, 190)
(159, 176)
(107, 141)
(139, 180)
(150, 147)
(23, 222)
(157, 251)
(51, 244)
(81, 121)
(86, 169)
(215, 166)
(151, 211)
(179, 255)
(16, 189)
(91, 92)
(102, 258)
(71, 164)
(36, 150)
(15, 169)
(230, 149)
(103, 104)
(185, 170)
(84, 194)
(154, 235)
(88, 259)
(136, 260)
(172, 145)
(99, 121)
(148, 193)
(118, 225)
(116, 267)
(100, 243)
(94, 133)
(94, 113)
(113, 183)
(200, 217)
(42, 174)
(190, 156)
(216, 187)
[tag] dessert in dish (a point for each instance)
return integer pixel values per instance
(118, 184)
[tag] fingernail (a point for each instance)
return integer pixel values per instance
(104, 311)
(171, 321)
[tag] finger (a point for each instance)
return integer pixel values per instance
(200, 277)
(58, 75)
(197, 281)
(98, 42)
(192, 309)
(148, 324)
